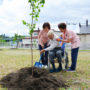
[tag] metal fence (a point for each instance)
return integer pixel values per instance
(14, 45)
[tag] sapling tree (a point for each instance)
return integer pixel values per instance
(35, 8)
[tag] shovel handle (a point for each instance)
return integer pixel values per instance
(40, 57)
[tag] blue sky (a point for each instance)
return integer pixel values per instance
(12, 12)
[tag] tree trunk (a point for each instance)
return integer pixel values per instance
(32, 54)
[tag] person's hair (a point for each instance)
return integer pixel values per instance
(46, 24)
(62, 25)
(50, 32)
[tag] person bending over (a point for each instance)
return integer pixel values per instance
(43, 42)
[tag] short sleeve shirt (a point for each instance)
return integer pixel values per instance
(75, 41)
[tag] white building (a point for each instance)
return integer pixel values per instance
(26, 42)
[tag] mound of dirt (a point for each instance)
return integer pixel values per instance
(23, 80)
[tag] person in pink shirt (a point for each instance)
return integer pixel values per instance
(70, 37)
(43, 42)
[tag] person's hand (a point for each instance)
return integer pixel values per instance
(61, 35)
(42, 51)
(58, 39)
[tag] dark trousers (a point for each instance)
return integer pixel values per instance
(44, 56)
(74, 55)
(53, 54)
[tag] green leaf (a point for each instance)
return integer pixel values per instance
(37, 15)
(24, 22)
(29, 1)
(34, 25)
(42, 5)
(35, 1)
(31, 31)
(34, 10)
(31, 14)
(38, 10)
(42, 1)
(36, 19)
(29, 25)
(37, 7)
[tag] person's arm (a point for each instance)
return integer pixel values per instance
(49, 41)
(61, 36)
(61, 44)
(52, 46)
(67, 40)
(64, 40)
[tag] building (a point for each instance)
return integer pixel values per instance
(84, 35)
(26, 42)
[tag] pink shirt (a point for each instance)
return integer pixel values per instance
(43, 38)
(75, 42)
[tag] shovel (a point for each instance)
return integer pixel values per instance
(38, 64)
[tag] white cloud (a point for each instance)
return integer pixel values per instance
(11, 15)
(12, 12)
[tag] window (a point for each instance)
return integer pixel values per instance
(35, 34)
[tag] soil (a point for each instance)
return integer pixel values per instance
(23, 80)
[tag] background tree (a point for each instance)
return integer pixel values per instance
(17, 38)
(2, 39)
(35, 6)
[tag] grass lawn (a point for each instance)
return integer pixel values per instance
(14, 59)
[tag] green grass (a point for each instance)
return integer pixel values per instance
(14, 59)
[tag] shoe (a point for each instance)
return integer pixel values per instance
(70, 70)
(52, 70)
(69, 67)
(59, 69)
(45, 66)
(42, 66)
(64, 69)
